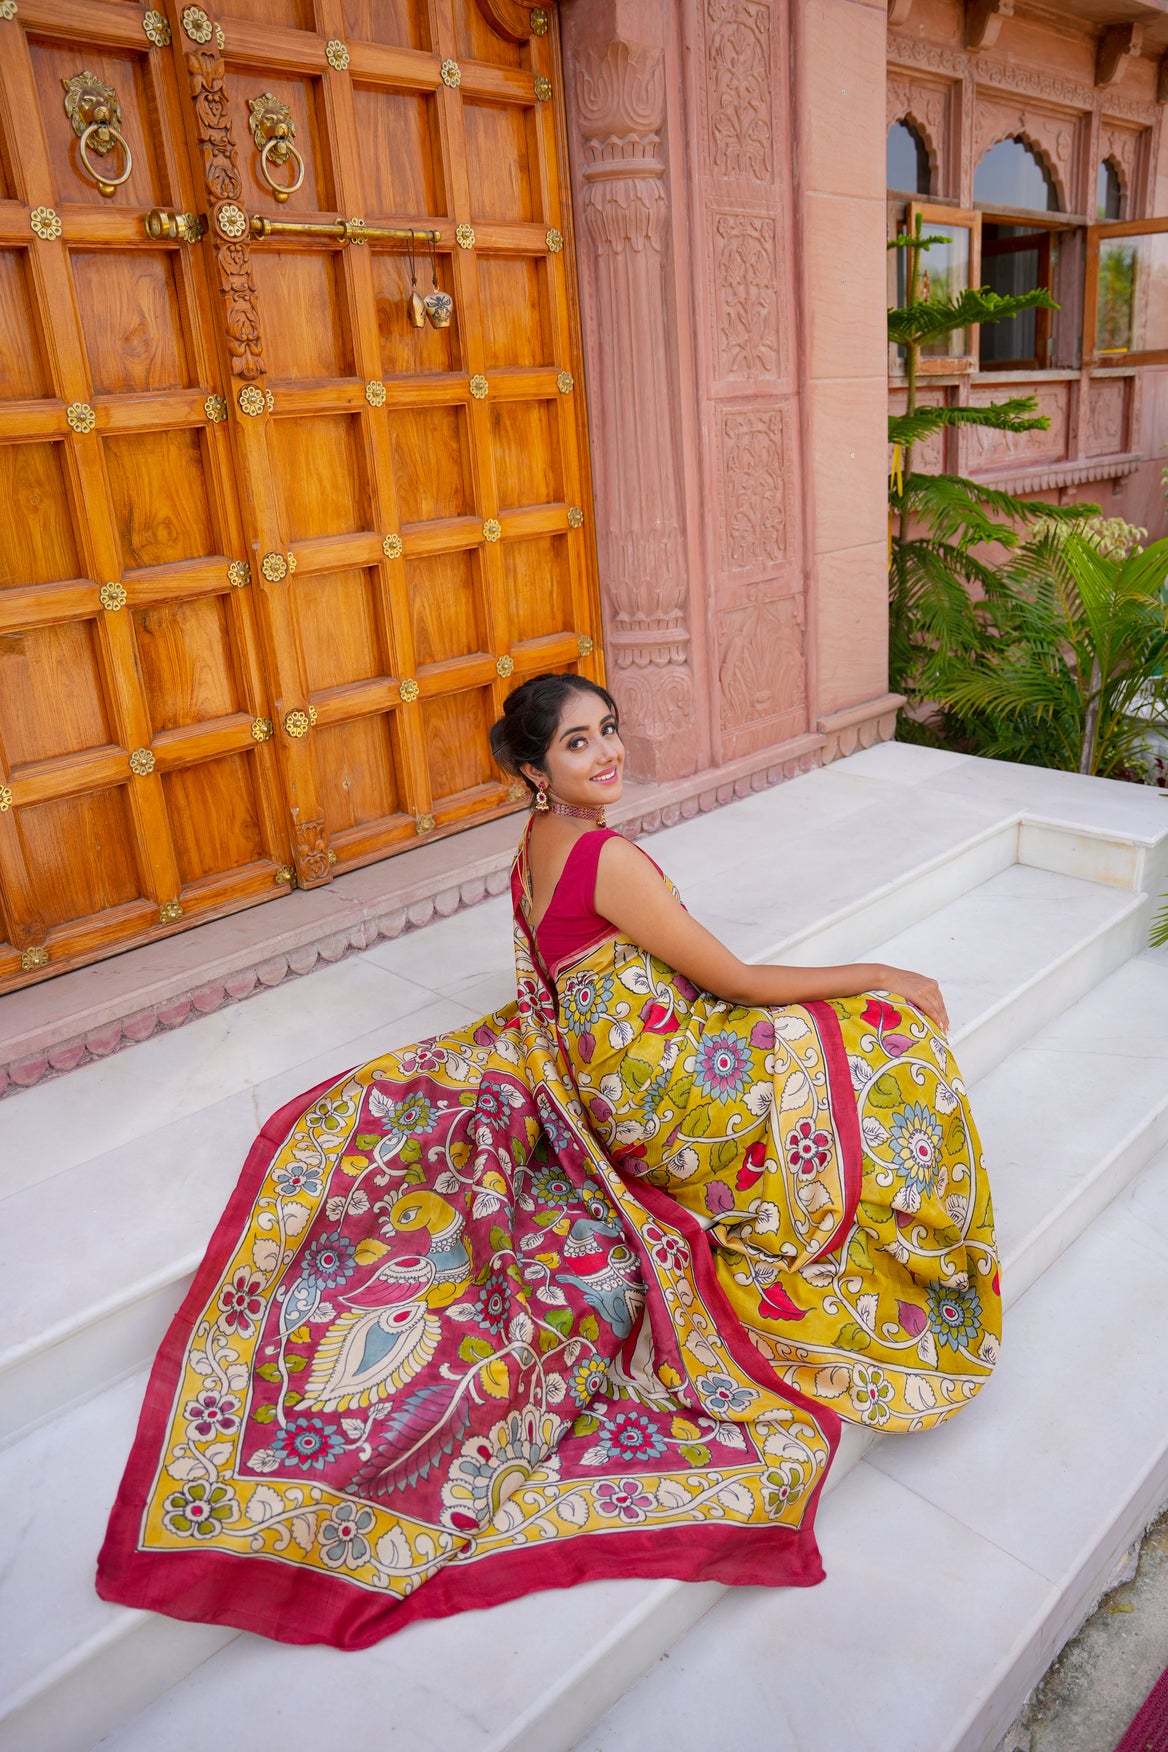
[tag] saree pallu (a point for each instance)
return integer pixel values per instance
(580, 1291)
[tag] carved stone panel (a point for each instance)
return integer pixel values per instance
(754, 514)
(746, 295)
(1050, 134)
(762, 669)
(738, 85)
(988, 451)
(1107, 402)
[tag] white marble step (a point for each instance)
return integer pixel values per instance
(133, 1221)
(958, 1562)
(1066, 1123)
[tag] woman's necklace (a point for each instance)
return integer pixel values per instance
(580, 812)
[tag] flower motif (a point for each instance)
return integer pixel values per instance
(412, 1117)
(494, 1302)
(586, 1380)
(808, 1150)
(199, 1510)
(916, 1142)
(292, 1179)
(329, 1261)
(491, 1468)
(629, 1435)
(780, 1484)
(623, 1499)
(490, 1107)
(871, 1392)
(343, 1544)
(583, 996)
(954, 1315)
(880, 1015)
(241, 1304)
(722, 1396)
(667, 1248)
(213, 1414)
(309, 1442)
(551, 1186)
(723, 1065)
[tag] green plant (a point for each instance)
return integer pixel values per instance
(1068, 667)
(938, 521)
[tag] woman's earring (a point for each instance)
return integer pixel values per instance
(541, 801)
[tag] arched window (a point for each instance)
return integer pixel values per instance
(1011, 174)
(1109, 192)
(907, 160)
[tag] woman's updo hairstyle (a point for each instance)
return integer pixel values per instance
(531, 717)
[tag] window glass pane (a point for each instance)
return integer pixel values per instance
(943, 274)
(1011, 175)
(1133, 294)
(1109, 195)
(1009, 267)
(907, 160)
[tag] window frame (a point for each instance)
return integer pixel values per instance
(1095, 236)
(934, 212)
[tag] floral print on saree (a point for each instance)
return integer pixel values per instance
(579, 1291)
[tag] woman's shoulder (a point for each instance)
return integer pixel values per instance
(623, 857)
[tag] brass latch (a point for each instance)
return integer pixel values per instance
(165, 226)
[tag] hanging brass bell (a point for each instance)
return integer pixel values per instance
(416, 307)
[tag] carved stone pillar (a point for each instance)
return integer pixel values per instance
(617, 115)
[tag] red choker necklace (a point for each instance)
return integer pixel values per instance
(552, 805)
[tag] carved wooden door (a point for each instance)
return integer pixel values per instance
(275, 553)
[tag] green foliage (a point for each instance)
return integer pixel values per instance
(917, 323)
(1066, 665)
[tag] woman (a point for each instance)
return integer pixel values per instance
(583, 1290)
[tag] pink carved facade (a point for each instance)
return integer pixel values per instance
(728, 167)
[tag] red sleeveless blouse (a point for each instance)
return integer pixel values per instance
(571, 925)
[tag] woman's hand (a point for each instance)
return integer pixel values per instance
(925, 993)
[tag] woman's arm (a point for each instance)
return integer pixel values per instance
(631, 894)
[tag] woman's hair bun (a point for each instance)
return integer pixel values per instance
(531, 713)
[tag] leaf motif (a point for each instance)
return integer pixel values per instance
(462, 1311)
(474, 1350)
(585, 1425)
(758, 1098)
(866, 1307)
(295, 1215)
(561, 1319)
(683, 1431)
(885, 1092)
(264, 1414)
(852, 1337)
(295, 1364)
(263, 1503)
(300, 1336)
(268, 1372)
(918, 1392)
(637, 1072)
(354, 1428)
(589, 1328)
(728, 1435)
(874, 1132)
(634, 976)
(334, 1209)
(696, 1453)
(861, 1070)
(494, 1379)
(594, 1456)
(265, 1255)
(486, 1204)
(830, 1383)
(500, 1240)
(912, 1319)
(672, 1495)
(323, 1315)
(737, 1499)
(184, 1466)
(896, 1044)
(796, 1091)
(393, 1551)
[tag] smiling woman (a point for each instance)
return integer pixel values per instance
(581, 1290)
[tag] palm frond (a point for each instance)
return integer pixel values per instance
(1016, 415)
(914, 324)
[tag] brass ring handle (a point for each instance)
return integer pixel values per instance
(106, 184)
(281, 193)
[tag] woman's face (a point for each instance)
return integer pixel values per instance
(585, 760)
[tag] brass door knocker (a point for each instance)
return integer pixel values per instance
(439, 305)
(93, 108)
(414, 304)
(274, 133)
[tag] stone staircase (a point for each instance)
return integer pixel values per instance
(958, 1562)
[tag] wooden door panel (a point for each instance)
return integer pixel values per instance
(55, 60)
(399, 24)
(133, 785)
(39, 545)
(410, 502)
(53, 692)
(22, 363)
(401, 169)
(216, 816)
(132, 321)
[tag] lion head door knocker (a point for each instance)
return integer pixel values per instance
(439, 305)
(92, 107)
(415, 306)
(274, 133)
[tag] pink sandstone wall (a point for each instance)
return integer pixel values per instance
(727, 159)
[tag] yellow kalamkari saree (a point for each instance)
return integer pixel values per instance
(583, 1290)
